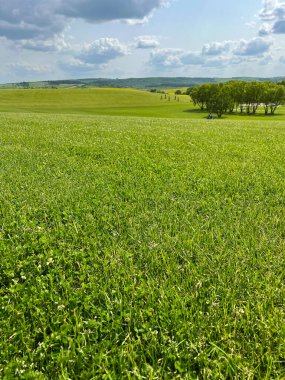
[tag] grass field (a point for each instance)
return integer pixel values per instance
(139, 248)
(110, 101)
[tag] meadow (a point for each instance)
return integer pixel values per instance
(111, 102)
(139, 247)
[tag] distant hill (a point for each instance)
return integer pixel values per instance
(139, 83)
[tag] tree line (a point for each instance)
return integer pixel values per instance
(238, 96)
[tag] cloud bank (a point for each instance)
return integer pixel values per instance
(215, 54)
(41, 19)
(273, 17)
(108, 10)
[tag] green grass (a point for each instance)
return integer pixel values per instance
(91, 101)
(115, 102)
(140, 248)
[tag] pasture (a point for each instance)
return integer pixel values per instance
(139, 247)
(111, 101)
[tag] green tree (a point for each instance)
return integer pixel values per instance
(225, 97)
(236, 90)
(188, 91)
(254, 92)
(220, 100)
(277, 98)
(200, 95)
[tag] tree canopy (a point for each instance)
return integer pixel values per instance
(238, 95)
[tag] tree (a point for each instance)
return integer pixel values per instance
(200, 95)
(267, 98)
(233, 88)
(24, 84)
(253, 94)
(188, 91)
(277, 98)
(220, 100)
(225, 97)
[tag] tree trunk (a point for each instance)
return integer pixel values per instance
(254, 109)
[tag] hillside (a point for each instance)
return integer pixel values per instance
(108, 101)
(140, 83)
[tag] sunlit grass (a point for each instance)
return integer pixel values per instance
(141, 248)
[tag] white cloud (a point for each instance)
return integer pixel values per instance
(267, 60)
(102, 51)
(192, 58)
(166, 58)
(146, 42)
(273, 16)
(216, 48)
(56, 44)
(219, 61)
(265, 29)
(175, 58)
(253, 47)
(214, 54)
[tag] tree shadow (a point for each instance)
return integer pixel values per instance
(196, 111)
(244, 114)
(204, 114)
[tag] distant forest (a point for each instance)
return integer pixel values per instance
(139, 83)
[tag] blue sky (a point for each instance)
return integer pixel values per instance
(58, 39)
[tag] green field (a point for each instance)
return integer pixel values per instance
(139, 247)
(93, 102)
(110, 101)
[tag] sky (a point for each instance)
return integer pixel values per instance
(62, 39)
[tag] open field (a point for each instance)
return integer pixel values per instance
(139, 248)
(116, 102)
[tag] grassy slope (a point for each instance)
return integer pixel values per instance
(120, 102)
(87, 101)
(134, 248)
